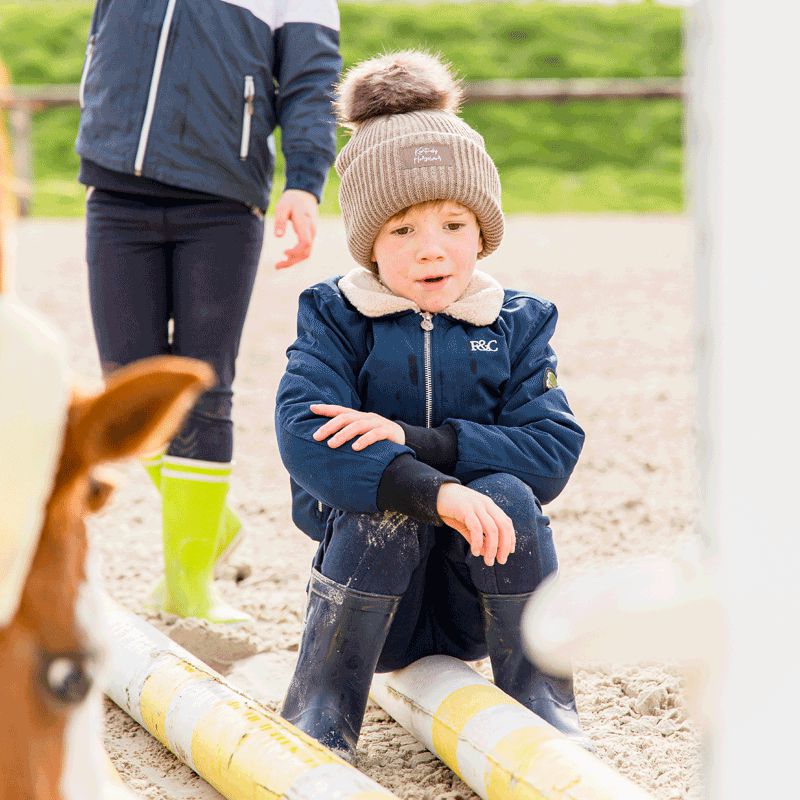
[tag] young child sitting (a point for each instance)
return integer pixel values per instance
(420, 417)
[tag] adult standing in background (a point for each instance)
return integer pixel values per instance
(179, 102)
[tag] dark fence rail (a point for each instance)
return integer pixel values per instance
(23, 101)
(573, 89)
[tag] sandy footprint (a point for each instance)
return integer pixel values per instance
(219, 646)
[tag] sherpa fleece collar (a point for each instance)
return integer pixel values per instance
(479, 305)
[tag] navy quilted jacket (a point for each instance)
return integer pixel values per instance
(189, 92)
(495, 384)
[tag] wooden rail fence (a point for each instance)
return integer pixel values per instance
(22, 102)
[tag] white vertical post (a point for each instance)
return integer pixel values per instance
(745, 159)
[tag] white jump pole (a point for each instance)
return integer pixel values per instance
(745, 158)
(245, 751)
(494, 744)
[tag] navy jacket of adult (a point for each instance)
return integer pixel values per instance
(484, 366)
(189, 92)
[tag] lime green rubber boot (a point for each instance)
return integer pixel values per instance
(152, 466)
(193, 501)
(230, 538)
(231, 524)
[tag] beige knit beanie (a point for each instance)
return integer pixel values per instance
(408, 146)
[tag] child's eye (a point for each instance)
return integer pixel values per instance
(454, 226)
(402, 231)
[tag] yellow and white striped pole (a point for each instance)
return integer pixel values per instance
(493, 743)
(245, 751)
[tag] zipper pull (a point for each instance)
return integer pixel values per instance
(87, 61)
(247, 115)
(427, 321)
(249, 93)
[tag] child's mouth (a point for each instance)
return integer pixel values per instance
(437, 279)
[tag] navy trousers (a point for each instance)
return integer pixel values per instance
(153, 261)
(434, 571)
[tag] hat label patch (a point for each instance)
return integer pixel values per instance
(427, 155)
(550, 380)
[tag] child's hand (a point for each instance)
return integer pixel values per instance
(349, 423)
(479, 520)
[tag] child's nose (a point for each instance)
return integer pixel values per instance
(430, 249)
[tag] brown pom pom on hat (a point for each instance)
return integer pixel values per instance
(408, 146)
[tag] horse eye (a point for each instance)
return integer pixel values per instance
(68, 678)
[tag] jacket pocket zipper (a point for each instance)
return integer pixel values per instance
(249, 98)
(86, 64)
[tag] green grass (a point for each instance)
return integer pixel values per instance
(514, 40)
(581, 156)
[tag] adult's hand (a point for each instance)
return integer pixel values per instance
(300, 209)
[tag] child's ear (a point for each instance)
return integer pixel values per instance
(480, 244)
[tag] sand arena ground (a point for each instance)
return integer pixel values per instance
(624, 288)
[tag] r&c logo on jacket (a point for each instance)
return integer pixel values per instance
(483, 345)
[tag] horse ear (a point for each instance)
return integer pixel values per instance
(142, 408)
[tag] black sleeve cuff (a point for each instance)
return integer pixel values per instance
(436, 447)
(411, 487)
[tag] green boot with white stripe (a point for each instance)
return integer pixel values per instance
(230, 538)
(232, 531)
(193, 502)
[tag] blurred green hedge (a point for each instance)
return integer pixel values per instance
(576, 156)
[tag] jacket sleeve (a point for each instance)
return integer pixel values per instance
(307, 66)
(322, 368)
(536, 437)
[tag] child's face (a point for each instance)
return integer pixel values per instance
(428, 253)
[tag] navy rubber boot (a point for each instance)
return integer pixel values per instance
(551, 698)
(343, 637)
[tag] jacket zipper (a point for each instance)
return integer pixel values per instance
(319, 506)
(427, 326)
(86, 65)
(156, 77)
(249, 97)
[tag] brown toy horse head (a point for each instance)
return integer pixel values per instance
(51, 441)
